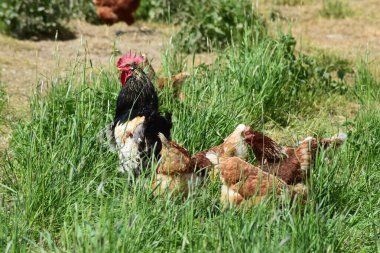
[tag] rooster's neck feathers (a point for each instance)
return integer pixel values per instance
(137, 97)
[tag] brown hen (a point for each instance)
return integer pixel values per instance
(113, 11)
(244, 183)
(175, 172)
(233, 145)
(290, 164)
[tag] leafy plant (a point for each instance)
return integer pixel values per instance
(43, 18)
(33, 18)
(335, 9)
(84, 9)
(216, 23)
(160, 10)
(205, 23)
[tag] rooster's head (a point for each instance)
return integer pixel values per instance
(127, 64)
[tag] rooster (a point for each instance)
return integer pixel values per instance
(175, 171)
(233, 145)
(137, 118)
(112, 11)
(290, 164)
(244, 183)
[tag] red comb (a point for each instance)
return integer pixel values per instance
(128, 59)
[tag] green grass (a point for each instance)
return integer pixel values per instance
(3, 103)
(60, 191)
(205, 25)
(336, 9)
(291, 2)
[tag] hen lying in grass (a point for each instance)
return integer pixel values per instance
(290, 164)
(233, 145)
(175, 172)
(244, 183)
(178, 171)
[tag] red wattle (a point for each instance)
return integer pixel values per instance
(123, 78)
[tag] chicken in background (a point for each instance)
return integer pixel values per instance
(175, 81)
(290, 164)
(113, 11)
(244, 183)
(233, 145)
(137, 100)
(175, 172)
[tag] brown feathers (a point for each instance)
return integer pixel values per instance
(280, 170)
(264, 148)
(297, 165)
(112, 11)
(233, 145)
(290, 164)
(175, 173)
(244, 182)
(174, 158)
(174, 81)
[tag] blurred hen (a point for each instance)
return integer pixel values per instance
(112, 11)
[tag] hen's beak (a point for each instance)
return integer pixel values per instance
(163, 139)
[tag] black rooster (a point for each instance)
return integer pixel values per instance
(137, 120)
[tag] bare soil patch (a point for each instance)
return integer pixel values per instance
(24, 63)
(350, 38)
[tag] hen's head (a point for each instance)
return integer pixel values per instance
(127, 64)
(234, 144)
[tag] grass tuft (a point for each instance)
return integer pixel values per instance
(335, 9)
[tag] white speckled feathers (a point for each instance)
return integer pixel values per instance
(129, 141)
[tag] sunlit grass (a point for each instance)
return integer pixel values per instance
(60, 190)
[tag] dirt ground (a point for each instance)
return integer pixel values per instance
(24, 64)
(349, 38)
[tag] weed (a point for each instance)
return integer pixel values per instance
(208, 24)
(335, 9)
(3, 101)
(290, 2)
(160, 10)
(85, 10)
(38, 19)
(205, 24)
